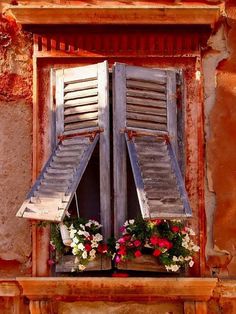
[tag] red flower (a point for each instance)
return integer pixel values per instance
(138, 253)
(175, 229)
(165, 243)
(51, 262)
(127, 237)
(157, 221)
(122, 250)
(102, 248)
(117, 259)
(122, 229)
(156, 252)
(154, 240)
(88, 247)
(137, 243)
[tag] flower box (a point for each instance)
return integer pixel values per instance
(66, 264)
(146, 262)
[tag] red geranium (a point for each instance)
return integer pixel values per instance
(122, 250)
(175, 229)
(88, 247)
(157, 252)
(102, 248)
(154, 240)
(137, 253)
(137, 243)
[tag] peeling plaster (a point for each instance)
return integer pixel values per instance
(217, 51)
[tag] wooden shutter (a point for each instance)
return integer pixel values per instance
(145, 109)
(82, 119)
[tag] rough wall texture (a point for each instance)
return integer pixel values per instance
(119, 308)
(221, 151)
(15, 144)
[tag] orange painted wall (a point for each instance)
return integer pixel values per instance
(222, 146)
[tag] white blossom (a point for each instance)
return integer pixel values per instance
(75, 240)
(81, 267)
(172, 267)
(131, 221)
(191, 263)
(84, 255)
(80, 246)
(98, 237)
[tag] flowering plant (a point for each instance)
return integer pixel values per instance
(169, 240)
(84, 241)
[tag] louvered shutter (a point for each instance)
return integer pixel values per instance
(145, 100)
(82, 119)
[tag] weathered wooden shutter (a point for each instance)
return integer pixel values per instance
(82, 119)
(145, 118)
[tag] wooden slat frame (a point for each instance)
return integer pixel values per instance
(138, 178)
(180, 182)
(171, 107)
(119, 147)
(104, 148)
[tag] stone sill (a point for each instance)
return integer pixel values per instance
(118, 289)
(149, 14)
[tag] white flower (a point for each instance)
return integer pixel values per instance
(72, 269)
(75, 240)
(172, 267)
(190, 231)
(131, 221)
(76, 260)
(72, 233)
(81, 267)
(92, 252)
(75, 251)
(175, 259)
(98, 237)
(126, 223)
(82, 227)
(94, 244)
(196, 248)
(117, 245)
(191, 263)
(84, 255)
(187, 258)
(80, 246)
(88, 224)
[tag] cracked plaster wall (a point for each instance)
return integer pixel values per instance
(219, 65)
(15, 146)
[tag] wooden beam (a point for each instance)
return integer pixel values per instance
(123, 14)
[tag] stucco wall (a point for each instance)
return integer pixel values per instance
(15, 146)
(221, 146)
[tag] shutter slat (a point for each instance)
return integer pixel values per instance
(81, 94)
(146, 125)
(81, 86)
(146, 74)
(146, 117)
(81, 101)
(146, 102)
(147, 110)
(143, 85)
(81, 117)
(73, 127)
(160, 179)
(82, 109)
(145, 94)
(80, 74)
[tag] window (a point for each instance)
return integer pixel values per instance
(144, 122)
